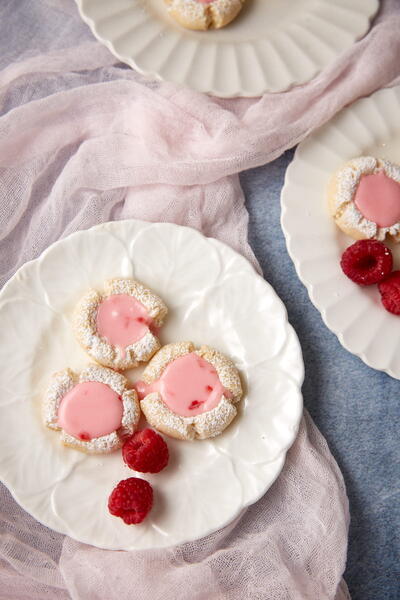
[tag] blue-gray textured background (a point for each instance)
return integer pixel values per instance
(355, 407)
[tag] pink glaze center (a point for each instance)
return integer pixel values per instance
(378, 199)
(90, 410)
(123, 320)
(189, 386)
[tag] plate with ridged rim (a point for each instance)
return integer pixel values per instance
(370, 126)
(272, 45)
(214, 296)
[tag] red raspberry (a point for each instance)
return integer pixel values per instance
(131, 500)
(146, 452)
(366, 262)
(390, 292)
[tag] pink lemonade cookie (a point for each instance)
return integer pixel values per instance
(119, 327)
(95, 411)
(204, 14)
(364, 198)
(188, 393)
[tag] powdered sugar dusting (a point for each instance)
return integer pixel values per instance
(190, 10)
(101, 445)
(131, 414)
(115, 381)
(208, 424)
(161, 417)
(347, 181)
(223, 11)
(212, 423)
(144, 348)
(63, 381)
(98, 347)
(391, 169)
(352, 218)
(155, 307)
(201, 15)
(227, 372)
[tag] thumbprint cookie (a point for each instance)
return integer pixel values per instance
(204, 14)
(189, 393)
(118, 327)
(94, 410)
(364, 198)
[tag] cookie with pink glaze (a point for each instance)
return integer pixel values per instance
(204, 14)
(189, 393)
(94, 410)
(118, 328)
(364, 198)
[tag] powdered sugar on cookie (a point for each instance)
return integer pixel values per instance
(94, 411)
(348, 198)
(118, 328)
(204, 14)
(188, 393)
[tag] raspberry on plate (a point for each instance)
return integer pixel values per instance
(366, 262)
(131, 500)
(146, 451)
(390, 292)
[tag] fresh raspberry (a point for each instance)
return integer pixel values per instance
(131, 500)
(390, 292)
(146, 452)
(366, 262)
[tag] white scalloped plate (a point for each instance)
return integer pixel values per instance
(271, 46)
(370, 126)
(214, 297)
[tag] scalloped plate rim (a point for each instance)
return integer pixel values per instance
(278, 461)
(213, 91)
(285, 202)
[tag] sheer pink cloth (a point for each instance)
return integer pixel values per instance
(82, 141)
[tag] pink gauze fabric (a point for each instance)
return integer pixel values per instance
(84, 140)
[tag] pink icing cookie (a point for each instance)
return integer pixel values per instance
(364, 198)
(378, 199)
(204, 14)
(188, 393)
(90, 410)
(94, 411)
(119, 327)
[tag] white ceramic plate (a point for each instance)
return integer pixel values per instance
(214, 297)
(271, 46)
(370, 126)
